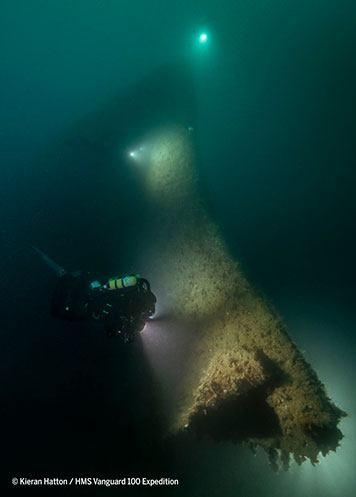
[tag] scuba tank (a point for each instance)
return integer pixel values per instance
(120, 283)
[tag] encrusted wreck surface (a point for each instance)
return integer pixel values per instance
(277, 404)
(244, 379)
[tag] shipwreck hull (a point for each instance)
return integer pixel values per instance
(242, 378)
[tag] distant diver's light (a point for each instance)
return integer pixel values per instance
(203, 38)
(137, 153)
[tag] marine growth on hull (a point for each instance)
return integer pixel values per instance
(243, 379)
(246, 396)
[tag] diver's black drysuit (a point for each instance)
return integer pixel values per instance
(122, 311)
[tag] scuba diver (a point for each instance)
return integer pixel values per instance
(121, 305)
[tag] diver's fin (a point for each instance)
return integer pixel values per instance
(56, 268)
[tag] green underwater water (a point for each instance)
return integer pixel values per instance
(271, 100)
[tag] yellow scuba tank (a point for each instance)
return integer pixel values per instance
(120, 283)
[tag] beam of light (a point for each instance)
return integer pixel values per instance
(164, 154)
(166, 343)
(203, 38)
